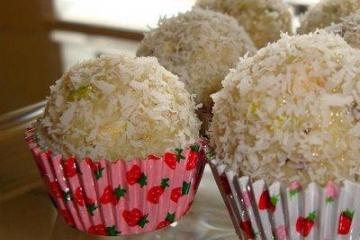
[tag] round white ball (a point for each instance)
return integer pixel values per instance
(262, 19)
(292, 111)
(325, 13)
(199, 46)
(349, 29)
(118, 107)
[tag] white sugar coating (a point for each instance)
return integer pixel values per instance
(118, 107)
(349, 29)
(199, 46)
(325, 13)
(262, 19)
(292, 111)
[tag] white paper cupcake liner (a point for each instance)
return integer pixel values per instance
(273, 211)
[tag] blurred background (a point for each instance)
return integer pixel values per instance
(40, 39)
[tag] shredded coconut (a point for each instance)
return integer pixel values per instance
(262, 19)
(287, 111)
(118, 107)
(327, 12)
(349, 29)
(199, 46)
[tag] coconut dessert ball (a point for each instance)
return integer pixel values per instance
(292, 111)
(349, 29)
(262, 19)
(327, 12)
(199, 46)
(118, 107)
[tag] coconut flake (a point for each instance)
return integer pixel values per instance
(105, 87)
(68, 115)
(337, 100)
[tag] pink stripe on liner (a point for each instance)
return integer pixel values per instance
(63, 181)
(121, 197)
(174, 194)
(51, 180)
(120, 180)
(156, 173)
(106, 194)
(190, 178)
(89, 186)
(79, 198)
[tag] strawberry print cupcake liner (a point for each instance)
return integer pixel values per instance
(275, 211)
(122, 197)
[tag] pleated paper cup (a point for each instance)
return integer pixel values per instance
(121, 197)
(261, 210)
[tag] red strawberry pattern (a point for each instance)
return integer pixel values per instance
(79, 197)
(176, 193)
(170, 160)
(82, 200)
(67, 216)
(247, 229)
(69, 167)
(268, 203)
(345, 221)
(305, 225)
(155, 193)
(48, 154)
(55, 189)
(193, 157)
(187, 162)
(135, 217)
(98, 229)
(162, 224)
(169, 219)
(112, 196)
(107, 196)
(134, 175)
(95, 168)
